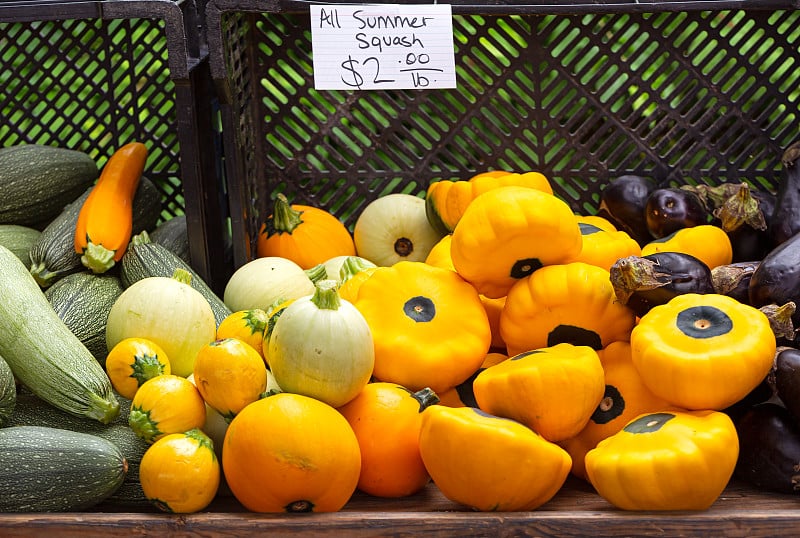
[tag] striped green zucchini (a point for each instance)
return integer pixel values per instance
(19, 240)
(53, 470)
(33, 411)
(8, 393)
(173, 235)
(37, 181)
(83, 301)
(43, 353)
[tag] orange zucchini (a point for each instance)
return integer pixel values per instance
(105, 221)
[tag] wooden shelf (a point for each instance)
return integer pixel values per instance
(576, 511)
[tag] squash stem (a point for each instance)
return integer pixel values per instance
(326, 295)
(182, 275)
(317, 273)
(104, 410)
(142, 238)
(43, 276)
(284, 218)
(426, 397)
(351, 266)
(98, 258)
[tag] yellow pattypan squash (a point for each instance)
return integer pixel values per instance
(428, 325)
(508, 233)
(706, 242)
(446, 201)
(625, 398)
(670, 460)
(489, 463)
(603, 248)
(703, 351)
(553, 391)
(572, 303)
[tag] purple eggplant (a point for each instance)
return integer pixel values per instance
(622, 202)
(669, 209)
(769, 448)
(785, 221)
(776, 280)
(642, 282)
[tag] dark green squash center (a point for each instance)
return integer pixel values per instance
(648, 423)
(610, 407)
(524, 267)
(588, 229)
(704, 322)
(419, 309)
(577, 336)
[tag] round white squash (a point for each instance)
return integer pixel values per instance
(394, 228)
(167, 311)
(321, 346)
(264, 281)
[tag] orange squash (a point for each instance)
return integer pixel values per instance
(291, 453)
(105, 220)
(305, 234)
(386, 419)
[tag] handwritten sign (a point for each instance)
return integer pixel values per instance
(382, 46)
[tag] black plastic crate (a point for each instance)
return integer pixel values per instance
(94, 75)
(583, 92)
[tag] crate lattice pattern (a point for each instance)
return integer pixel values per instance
(92, 85)
(682, 97)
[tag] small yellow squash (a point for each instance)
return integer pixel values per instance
(625, 398)
(245, 325)
(706, 242)
(703, 351)
(573, 303)
(446, 201)
(132, 362)
(229, 375)
(180, 472)
(166, 404)
(428, 325)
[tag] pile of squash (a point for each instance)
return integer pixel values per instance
(483, 337)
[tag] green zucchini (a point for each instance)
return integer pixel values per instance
(55, 470)
(33, 411)
(143, 259)
(173, 235)
(19, 240)
(53, 256)
(43, 353)
(37, 181)
(8, 392)
(83, 301)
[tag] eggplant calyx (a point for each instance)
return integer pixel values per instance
(741, 208)
(726, 278)
(632, 274)
(712, 197)
(780, 319)
(791, 155)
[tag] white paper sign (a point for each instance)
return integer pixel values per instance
(382, 46)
